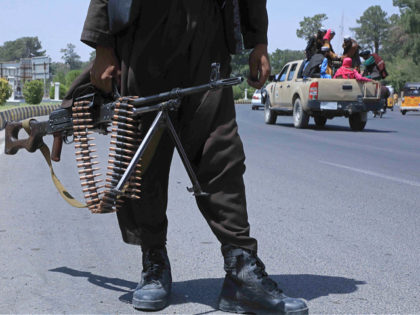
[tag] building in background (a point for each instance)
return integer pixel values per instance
(24, 70)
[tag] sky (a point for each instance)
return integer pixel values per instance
(59, 22)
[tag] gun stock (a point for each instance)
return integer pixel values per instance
(36, 131)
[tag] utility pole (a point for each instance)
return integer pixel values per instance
(342, 28)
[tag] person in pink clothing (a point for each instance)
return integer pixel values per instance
(331, 55)
(347, 72)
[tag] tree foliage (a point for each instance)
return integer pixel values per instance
(280, 57)
(240, 67)
(373, 28)
(24, 47)
(310, 25)
(410, 23)
(33, 91)
(5, 91)
(71, 76)
(70, 57)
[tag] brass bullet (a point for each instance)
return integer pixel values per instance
(89, 176)
(120, 157)
(82, 121)
(78, 115)
(92, 202)
(123, 145)
(118, 163)
(122, 118)
(92, 195)
(93, 182)
(84, 145)
(114, 175)
(121, 151)
(120, 112)
(82, 127)
(92, 188)
(88, 164)
(88, 170)
(86, 158)
(85, 152)
(124, 105)
(123, 138)
(124, 131)
(114, 182)
(83, 139)
(121, 125)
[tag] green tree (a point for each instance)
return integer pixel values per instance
(396, 42)
(70, 57)
(310, 25)
(71, 76)
(23, 47)
(92, 55)
(5, 91)
(279, 58)
(62, 91)
(33, 91)
(410, 22)
(373, 28)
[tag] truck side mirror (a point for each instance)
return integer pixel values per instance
(272, 78)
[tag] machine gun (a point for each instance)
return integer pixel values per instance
(90, 114)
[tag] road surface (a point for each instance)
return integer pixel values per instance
(336, 214)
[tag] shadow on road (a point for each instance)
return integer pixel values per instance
(206, 291)
(335, 128)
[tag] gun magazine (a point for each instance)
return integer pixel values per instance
(125, 139)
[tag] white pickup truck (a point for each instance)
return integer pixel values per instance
(291, 94)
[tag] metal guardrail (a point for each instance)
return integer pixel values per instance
(24, 112)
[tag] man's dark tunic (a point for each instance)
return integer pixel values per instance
(172, 44)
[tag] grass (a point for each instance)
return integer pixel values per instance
(11, 106)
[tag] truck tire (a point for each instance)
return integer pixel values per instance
(358, 121)
(403, 112)
(270, 116)
(300, 117)
(320, 121)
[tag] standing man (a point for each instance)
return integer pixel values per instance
(155, 46)
(328, 37)
(351, 50)
(375, 69)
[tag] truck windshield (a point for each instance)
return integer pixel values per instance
(292, 72)
(282, 75)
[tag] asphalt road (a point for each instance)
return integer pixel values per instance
(336, 213)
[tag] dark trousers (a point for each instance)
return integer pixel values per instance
(174, 47)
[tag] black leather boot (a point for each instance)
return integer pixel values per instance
(248, 289)
(153, 291)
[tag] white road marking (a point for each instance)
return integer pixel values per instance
(366, 172)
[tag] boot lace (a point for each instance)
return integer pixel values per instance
(154, 264)
(262, 275)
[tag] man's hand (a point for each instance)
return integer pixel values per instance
(105, 67)
(259, 66)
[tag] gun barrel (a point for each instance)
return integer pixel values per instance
(178, 93)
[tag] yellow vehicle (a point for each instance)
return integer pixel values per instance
(390, 102)
(410, 98)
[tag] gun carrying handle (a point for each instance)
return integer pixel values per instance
(57, 146)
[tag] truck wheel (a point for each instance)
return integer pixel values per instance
(270, 116)
(358, 121)
(403, 112)
(320, 121)
(300, 117)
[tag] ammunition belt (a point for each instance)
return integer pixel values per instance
(125, 139)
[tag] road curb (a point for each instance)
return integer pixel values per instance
(21, 113)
